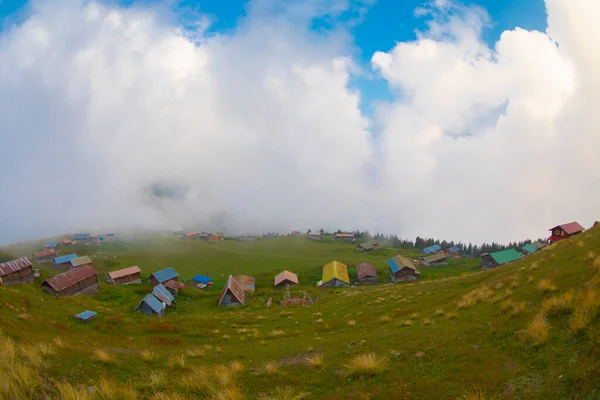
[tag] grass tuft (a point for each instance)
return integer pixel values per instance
(104, 356)
(285, 393)
(237, 367)
(315, 361)
(563, 303)
(385, 319)
(546, 286)
(366, 365)
(585, 311)
(146, 355)
(270, 368)
(536, 332)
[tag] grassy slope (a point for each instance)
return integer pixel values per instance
(481, 348)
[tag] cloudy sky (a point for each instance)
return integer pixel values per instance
(474, 123)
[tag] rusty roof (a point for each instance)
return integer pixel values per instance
(14, 265)
(434, 257)
(67, 279)
(570, 228)
(124, 272)
(232, 287)
(192, 234)
(365, 270)
(248, 283)
(44, 253)
(290, 276)
(175, 285)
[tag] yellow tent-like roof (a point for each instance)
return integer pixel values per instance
(335, 270)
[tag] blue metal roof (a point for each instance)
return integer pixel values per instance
(165, 274)
(162, 293)
(454, 249)
(155, 304)
(50, 244)
(81, 236)
(393, 266)
(84, 316)
(202, 279)
(64, 259)
(432, 249)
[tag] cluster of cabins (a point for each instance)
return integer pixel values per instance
(193, 235)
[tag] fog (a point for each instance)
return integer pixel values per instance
(113, 118)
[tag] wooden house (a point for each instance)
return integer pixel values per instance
(564, 231)
(150, 305)
(344, 236)
(493, 260)
(368, 246)
(539, 245)
(81, 238)
(232, 294)
(16, 271)
(366, 274)
(54, 246)
(94, 239)
(436, 248)
(44, 256)
(163, 294)
(67, 242)
(248, 283)
(286, 278)
(73, 282)
(173, 286)
(335, 274)
(452, 252)
(315, 236)
(434, 260)
(80, 262)
(192, 235)
(64, 262)
(528, 249)
(125, 276)
(402, 270)
(215, 237)
(163, 276)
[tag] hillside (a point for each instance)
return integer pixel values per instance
(525, 330)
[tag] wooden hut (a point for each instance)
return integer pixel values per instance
(529, 249)
(79, 262)
(368, 246)
(73, 282)
(539, 245)
(67, 242)
(402, 270)
(125, 276)
(150, 305)
(163, 276)
(173, 286)
(232, 294)
(286, 278)
(44, 256)
(452, 252)
(315, 236)
(366, 274)
(81, 238)
(163, 294)
(493, 260)
(434, 260)
(215, 237)
(335, 274)
(436, 248)
(561, 232)
(248, 283)
(192, 235)
(344, 236)
(55, 246)
(64, 262)
(16, 271)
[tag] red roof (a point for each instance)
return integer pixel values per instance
(234, 289)
(67, 279)
(45, 253)
(192, 234)
(124, 272)
(570, 228)
(14, 266)
(286, 275)
(175, 285)
(365, 270)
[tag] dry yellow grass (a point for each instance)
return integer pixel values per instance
(104, 356)
(278, 332)
(270, 368)
(366, 365)
(518, 308)
(110, 390)
(58, 342)
(476, 394)
(195, 353)
(176, 361)
(158, 380)
(319, 321)
(546, 286)
(414, 316)
(427, 321)
(351, 322)
(563, 303)
(146, 355)
(407, 322)
(72, 392)
(385, 319)
(451, 315)
(586, 310)
(506, 305)
(439, 312)
(536, 332)
(315, 361)
(475, 296)
(237, 367)
(284, 393)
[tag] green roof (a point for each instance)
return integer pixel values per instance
(505, 256)
(529, 248)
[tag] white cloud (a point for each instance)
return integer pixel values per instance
(116, 117)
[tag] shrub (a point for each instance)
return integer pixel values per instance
(546, 286)
(536, 332)
(366, 365)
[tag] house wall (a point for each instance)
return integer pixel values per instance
(86, 286)
(404, 275)
(127, 280)
(156, 282)
(64, 266)
(79, 266)
(145, 308)
(488, 262)
(367, 280)
(335, 283)
(45, 259)
(284, 283)
(24, 275)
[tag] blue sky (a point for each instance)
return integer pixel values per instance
(385, 22)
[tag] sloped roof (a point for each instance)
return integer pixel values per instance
(286, 275)
(232, 288)
(67, 241)
(67, 279)
(50, 244)
(202, 279)
(570, 228)
(175, 285)
(539, 245)
(192, 234)
(76, 262)
(65, 258)
(335, 270)
(453, 249)
(529, 248)
(14, 265)
(434, 257)
(369, 245)
(365, 270)
(86, 315)
(432, 249)
(165, 274)
(44, 253)
(348, 235)
(505, 256)
(124, 272)
(81, 236)
(161, 293)
(398, 262)
(248, 283)
(155, 304)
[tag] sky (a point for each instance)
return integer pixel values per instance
(463, 121)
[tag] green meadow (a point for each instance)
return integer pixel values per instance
(529, 329)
